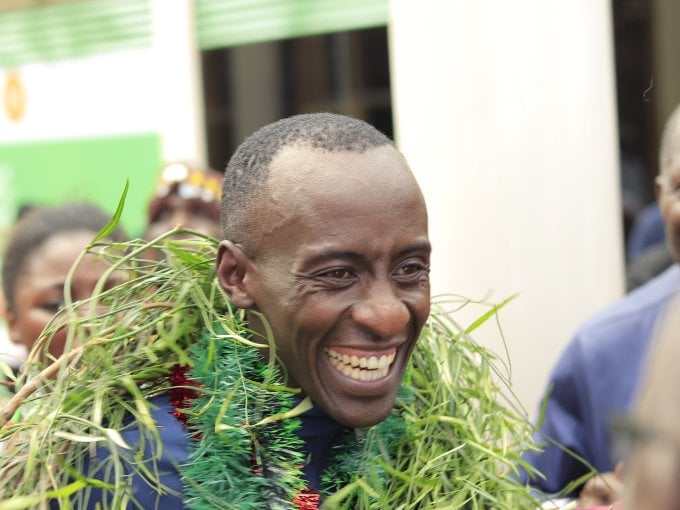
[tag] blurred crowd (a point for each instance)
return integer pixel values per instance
(46, 240)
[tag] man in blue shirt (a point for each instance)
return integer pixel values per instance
(597, 376)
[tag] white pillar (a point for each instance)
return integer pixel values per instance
(506, 113)
(179, 92)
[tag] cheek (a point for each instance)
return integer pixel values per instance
(57, 343)
(298, 330)
(31, 326)
(419, 303)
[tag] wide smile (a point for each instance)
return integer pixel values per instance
(361, 365)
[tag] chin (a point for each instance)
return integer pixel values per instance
(363, 414)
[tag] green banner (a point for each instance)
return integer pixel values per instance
(94, 169)
(224, 23)
(74, 29)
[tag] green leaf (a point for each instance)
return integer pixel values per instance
(485, 316)
(21, 502)
(302, 407)
(7, 371)
(77, 438)
(115, 436)
(111, 225)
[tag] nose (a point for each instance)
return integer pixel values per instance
(381, 311)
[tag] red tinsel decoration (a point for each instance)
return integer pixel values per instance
(307, 499)
(182, 394)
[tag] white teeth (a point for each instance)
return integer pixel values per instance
(361, 368)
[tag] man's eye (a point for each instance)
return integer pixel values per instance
(339, 274)
(411, 269)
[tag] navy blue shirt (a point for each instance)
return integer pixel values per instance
(318, 431)
(596, 379)
(175, 450)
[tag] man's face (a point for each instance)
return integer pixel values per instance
(341, 272)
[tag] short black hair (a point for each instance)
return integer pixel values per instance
(40, 224)
(248, 169)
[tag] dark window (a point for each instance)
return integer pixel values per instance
(246, 87)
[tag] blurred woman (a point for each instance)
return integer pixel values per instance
(185, 195)
(42, 249)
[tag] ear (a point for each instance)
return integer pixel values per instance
(233, 272)
(657, 187)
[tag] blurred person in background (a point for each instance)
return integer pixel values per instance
(41, 250)
(599, 372)
(10, 353)
(652, 433)
(188, 196)
(649, 436)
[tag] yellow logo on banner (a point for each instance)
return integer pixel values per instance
(15, 97)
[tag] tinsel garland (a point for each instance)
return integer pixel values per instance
(236, 462)
(183, 391)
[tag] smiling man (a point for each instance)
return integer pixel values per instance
(330, 245)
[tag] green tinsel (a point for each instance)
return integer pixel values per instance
(219, 470)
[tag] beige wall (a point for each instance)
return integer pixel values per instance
(506, 112)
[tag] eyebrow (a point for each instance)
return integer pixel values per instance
(332, 253)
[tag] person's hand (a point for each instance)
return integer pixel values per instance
(603, 489)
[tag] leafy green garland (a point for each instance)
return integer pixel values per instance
(251, 465)
(465, 430)
(220, 469)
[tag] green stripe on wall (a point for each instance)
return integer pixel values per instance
(72, 30)
(224, 23)
(94, 169)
